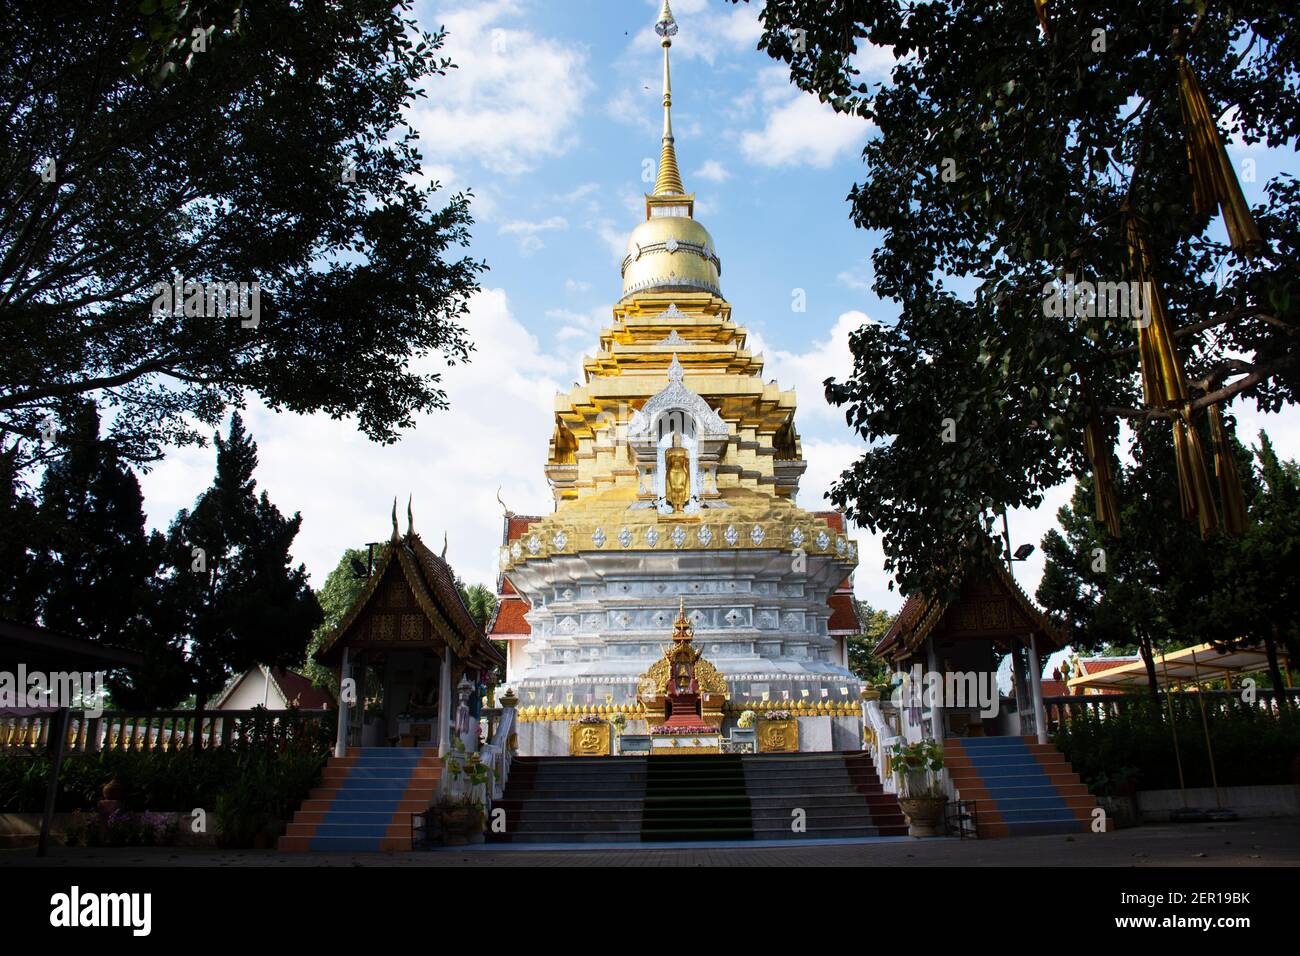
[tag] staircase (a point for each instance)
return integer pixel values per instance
(840, 795)
(573, 800)
(1019, 786)
(696, 797)
(365, 801)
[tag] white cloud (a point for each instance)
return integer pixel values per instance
(798, 130)
(526, 232)
(514, 98)
(706, 30)
(452, 461)
(613, 234)
(576, 285)
(858, 278)
(806, 371)
(713, 171)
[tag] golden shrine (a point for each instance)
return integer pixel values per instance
(674, 468)
(682, 689)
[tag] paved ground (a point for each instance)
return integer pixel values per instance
(1244, 843)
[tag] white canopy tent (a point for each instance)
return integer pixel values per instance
(1185, 666)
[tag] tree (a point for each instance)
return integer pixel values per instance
(90, 569)
(19, 588)
(1256, 600)
(481, 601)
(1130, 594)
(342, 588)
(232, 577)
(1005, 160)
(874, 625)
(273, 150)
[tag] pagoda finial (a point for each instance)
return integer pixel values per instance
(504, 507)
(395, 534)
(410, 521)
(682, 630)
(669, 180)
(444, 546)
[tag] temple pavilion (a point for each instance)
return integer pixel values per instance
(675, 470)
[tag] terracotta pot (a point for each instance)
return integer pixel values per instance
(924, 815)
(113, 790)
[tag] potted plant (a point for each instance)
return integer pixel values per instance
(619, 723)
(459, 808)
(1116, 793)
(920, 790)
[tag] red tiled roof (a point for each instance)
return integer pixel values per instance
(1096, 665)
(300, 691)
(833, 518)
(516, 525)
(844, 614)
(509, 619)
(1054, 688)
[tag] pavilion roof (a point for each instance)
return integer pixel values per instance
(920, 615)
(433, 584)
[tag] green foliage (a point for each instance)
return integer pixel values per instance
(92, 567)
(1256, 597)
(874, 625)
(1040, 138)
(1161, 586)
(342, 588)
(241, 600)
(248, 788)
(1251, 746)
(280, 154)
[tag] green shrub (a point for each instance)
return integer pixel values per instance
(1252, 747)
(252, 786)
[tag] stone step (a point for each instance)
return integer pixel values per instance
(343, 844)
(567, 836)
(367, 806)
(330, 774)
(822, 833)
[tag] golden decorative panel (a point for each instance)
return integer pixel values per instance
(778, 736)
(589, 740)
(412, 627)
(993, 614)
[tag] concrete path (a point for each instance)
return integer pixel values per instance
(1273, 842)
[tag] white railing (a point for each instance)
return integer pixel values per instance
(879, 738)
(499, 753)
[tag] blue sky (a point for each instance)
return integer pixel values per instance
(551, 118)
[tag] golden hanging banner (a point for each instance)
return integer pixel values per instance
(1214, 181)
(1225, 469)
(1163, 382)
(1103, 478)
(1193, 477)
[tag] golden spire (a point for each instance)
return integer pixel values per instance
(669, 180)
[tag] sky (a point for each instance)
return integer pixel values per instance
(552, 118)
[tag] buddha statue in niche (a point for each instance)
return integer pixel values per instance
(677, 475)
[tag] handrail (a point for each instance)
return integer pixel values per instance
(879, 738)
(155, 730)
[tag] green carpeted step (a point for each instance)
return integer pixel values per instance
(696, 797)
